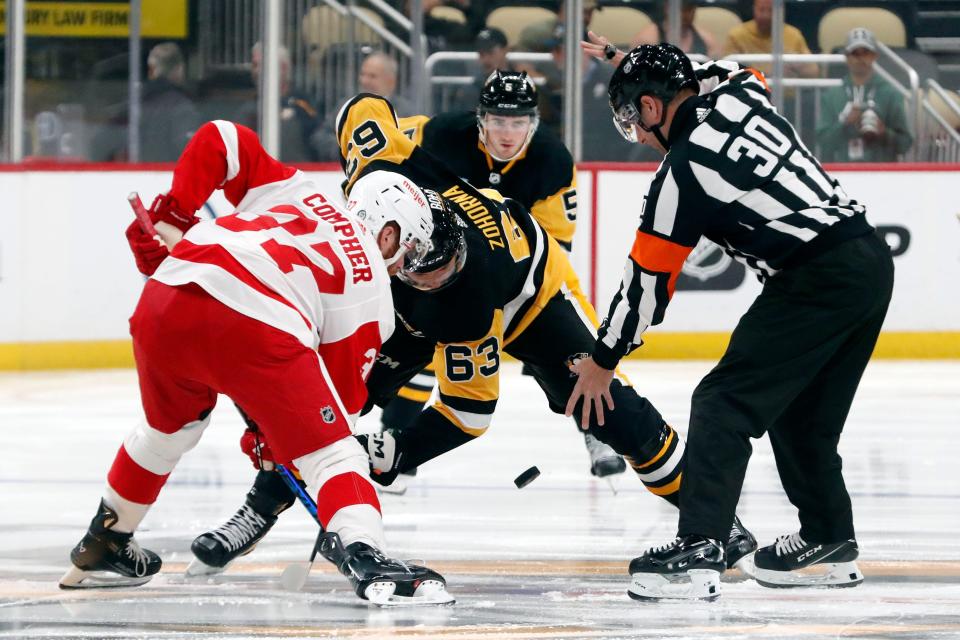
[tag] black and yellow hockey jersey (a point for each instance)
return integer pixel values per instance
(512, 269)
(543, 178)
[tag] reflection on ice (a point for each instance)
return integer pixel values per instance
(548, 561)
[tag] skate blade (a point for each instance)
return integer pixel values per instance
(428, 592)
(76, 578)
(397, 488)
(695, 584)
(826, 575)
(746, 568)
(198, 568)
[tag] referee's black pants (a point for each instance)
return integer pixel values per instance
(791, 369)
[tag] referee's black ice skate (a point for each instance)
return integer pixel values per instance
(793, 562)
(214, 550)
(382, 580)
(740, 544)
(604, 461)
(106, 558)
(688, 568)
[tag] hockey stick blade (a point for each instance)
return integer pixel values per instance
(295, 575)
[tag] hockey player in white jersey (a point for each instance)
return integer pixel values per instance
(282, 306)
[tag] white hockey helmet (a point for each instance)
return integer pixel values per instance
(384, 196)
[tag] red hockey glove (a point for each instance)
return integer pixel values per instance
(255, 446)
(166, 209)
(148, 251)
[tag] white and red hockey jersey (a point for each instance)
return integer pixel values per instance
(288, 256)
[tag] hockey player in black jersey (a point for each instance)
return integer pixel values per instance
(495, 283)
(736, 172)
(501, 146)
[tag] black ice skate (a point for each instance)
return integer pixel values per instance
(381, 580)
(740, 545)
(792, 562)
(215, 550)
(105, 558)
(604, 461)
(687, 568)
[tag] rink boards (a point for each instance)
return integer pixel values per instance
(68, 283)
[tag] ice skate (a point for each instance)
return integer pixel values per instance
(105, 558)
(604, 461)
(215, 550)
(740, 545)
(381, 580)
(792, 562)
(688, 568)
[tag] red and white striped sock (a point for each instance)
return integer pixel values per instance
(347, 501)
(141, 467)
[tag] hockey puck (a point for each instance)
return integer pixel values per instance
(526, 477)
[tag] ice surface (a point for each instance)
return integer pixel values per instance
(547, 561)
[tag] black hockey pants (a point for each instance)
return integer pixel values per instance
(791, 369)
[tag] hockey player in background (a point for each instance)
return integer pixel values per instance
(501, 146)
(736, 173)
(282, 306)
(493, 283)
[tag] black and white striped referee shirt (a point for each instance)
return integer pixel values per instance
(737, 173)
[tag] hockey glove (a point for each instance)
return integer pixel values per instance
(148, 251)
(253, 444)
(166, 209)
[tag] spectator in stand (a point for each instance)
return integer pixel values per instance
(863, 120)
(491, 46)
(168, 116)
(598, 142)
(692, 39)
(378, 74)
(298, 117)
(754, 36)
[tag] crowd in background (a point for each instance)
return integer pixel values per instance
(862, 120)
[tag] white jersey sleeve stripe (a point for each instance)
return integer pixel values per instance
(228, 132)
(666, 211)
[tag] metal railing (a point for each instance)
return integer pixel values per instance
(447, 84)
(937, 139)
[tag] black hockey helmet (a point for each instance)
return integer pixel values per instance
(508, 93)
(438, 267)
(658, 70)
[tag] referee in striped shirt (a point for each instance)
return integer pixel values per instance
(736, 172)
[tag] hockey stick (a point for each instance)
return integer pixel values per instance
(295, 575)
(167, 233)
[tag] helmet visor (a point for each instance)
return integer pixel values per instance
(412, 249)
(624, 119)
(433, 272)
